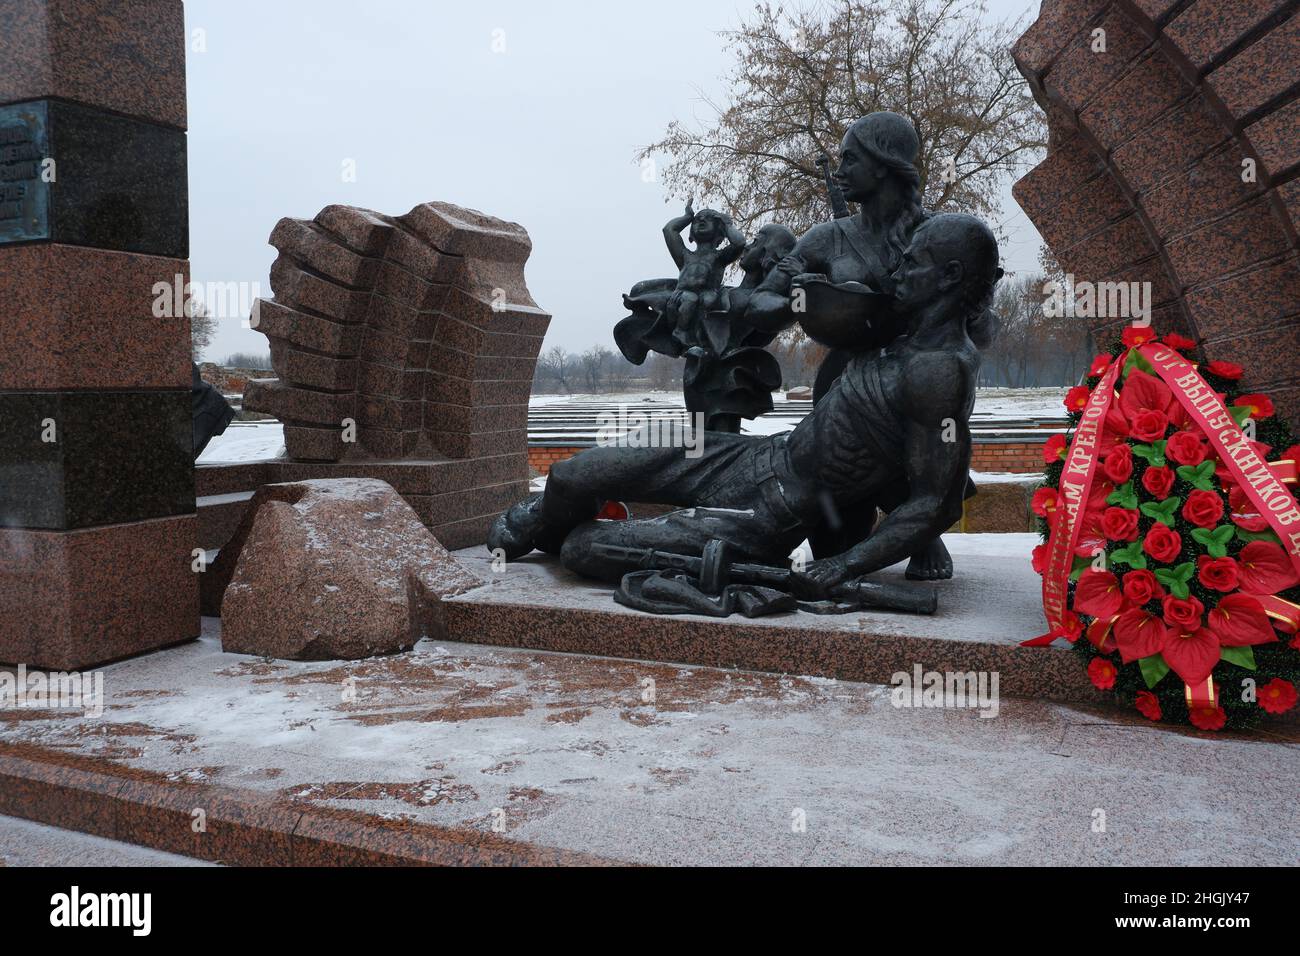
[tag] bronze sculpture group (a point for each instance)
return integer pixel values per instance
(901, 297)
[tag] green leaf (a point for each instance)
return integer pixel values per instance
(1239, 414)
(1241, 656)
(1175, 579)
(1162, 511)
(1214, 542)
(1154, 669)
(1131, 555)
(1249, 536)
(1080, 565)
(1198, 476)
(1136, 361)
(1153, 454)
(1123, 497)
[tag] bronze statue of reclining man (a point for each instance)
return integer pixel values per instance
(892, 431)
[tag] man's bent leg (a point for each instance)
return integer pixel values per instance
(576, 488)
(749, 535)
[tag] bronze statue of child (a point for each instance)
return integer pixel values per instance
(699, 281)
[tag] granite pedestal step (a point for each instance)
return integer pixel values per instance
(461, 753)
(992, 604)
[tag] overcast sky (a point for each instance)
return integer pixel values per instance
(544, 133)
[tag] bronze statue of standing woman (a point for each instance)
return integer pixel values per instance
(837, 284)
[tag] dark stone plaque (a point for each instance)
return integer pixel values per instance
(113, 183)
(24, 196)
(73, 460)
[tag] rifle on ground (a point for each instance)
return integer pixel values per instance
(714, 570)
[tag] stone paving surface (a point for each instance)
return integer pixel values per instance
(570, 752)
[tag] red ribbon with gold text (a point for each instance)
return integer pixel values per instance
(1076, 482)
(1262, 485)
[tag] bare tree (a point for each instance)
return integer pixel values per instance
(555, 365)
(801, 77)
(594, 364)
(663, 373)
(1032, 347)
(202, 328)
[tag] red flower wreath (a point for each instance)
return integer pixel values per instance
(1194, 610)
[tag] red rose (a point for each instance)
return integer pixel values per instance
(1141, 586)
(1261, 406)
(1208, 718)
(1148, 705)
(1099, 366)
(1217, 574)
(1162, 543)
(1038, 558)
(1044, 501)
(1159, 481)
(1148, 425)
(1185, 448)
(1277, 696)
(1135, 335)
(1203, 508)
(1102, 673)
(1118, 466)
(1184, 613)
(1120, 524)
(1227, 370)
(1180, 342)
(1077, 398)
(1054, 449)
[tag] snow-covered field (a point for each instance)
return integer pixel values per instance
(1001, 402)
(256, 441)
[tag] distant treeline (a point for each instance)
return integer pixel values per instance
(1032, 350)
(248, 360)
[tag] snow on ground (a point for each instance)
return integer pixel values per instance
(245, 441)
(612, 398)
(1005, 545)
(1020, 402)
(1002, 477)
